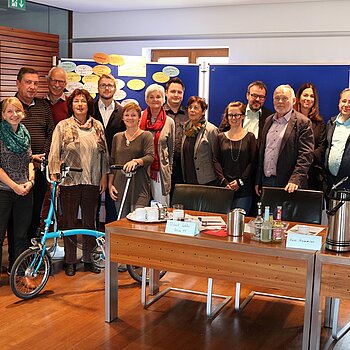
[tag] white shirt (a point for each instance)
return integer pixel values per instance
(106, 111)
(251, 121)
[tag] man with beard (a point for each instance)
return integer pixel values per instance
(109, 113)
(255, 113)
(174, 92)
(286, 145)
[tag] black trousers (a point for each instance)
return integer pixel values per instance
(15, 218)
(39, 191)
(73, 197)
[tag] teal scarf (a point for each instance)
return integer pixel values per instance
(16, 142)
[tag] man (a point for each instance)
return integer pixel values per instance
(174, 92)
(110, 113)
(38, 121)
(337, 160)
(56, 82)
(286, 148)
(255, 113)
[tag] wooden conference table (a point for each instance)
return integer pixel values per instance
(332, 280)
(265, 265)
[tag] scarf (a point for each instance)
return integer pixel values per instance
(192, 128)
(71, 134)
(16, 142)
(156, 128)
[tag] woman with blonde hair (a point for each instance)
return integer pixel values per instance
(16, 177)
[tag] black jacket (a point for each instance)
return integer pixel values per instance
(115, 123)
(345, 162)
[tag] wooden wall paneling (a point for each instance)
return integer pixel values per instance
(20, 48)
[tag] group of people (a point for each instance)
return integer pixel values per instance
(165, 144)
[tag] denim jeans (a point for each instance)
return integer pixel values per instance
(243, 203)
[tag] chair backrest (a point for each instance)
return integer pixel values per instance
(203, 198)
(301, 205)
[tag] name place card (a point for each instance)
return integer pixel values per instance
(301, 241)
(185, 228)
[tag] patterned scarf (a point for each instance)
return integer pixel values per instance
(192, 128)
(145, 124)
(16, 142)
(75, 125)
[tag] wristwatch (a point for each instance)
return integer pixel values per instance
(240, 182)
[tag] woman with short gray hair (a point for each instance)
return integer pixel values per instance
(155, 120)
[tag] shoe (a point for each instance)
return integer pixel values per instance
(70, 269)
(122, 268)
(89, 267)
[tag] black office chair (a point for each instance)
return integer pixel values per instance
(203, 198)
(207, 199)
(302, 206)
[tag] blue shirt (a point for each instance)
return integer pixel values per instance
(340, 135)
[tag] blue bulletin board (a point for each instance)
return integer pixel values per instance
(229, 83)
(189, 74)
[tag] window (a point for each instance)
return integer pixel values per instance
(180, 56)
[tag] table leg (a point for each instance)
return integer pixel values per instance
(316, 320)
(153, 281)
(328, 312)
(111, 291)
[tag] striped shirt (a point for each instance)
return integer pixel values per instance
(39, 122)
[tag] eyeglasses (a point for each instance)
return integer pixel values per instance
(56, 81)
(106, 86)
(236, 115)
(256, 96)
(279, 98)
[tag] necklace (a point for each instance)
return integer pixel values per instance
(239, 150)
(128, 140)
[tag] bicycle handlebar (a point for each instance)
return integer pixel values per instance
(116, 167)
(66, 169)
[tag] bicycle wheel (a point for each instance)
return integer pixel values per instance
(136, 273)
(97, 257)
(24, 281)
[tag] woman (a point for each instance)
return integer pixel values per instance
(237, 156)
(79, 141)
(135, 149)
(199, 146)
(155, 120)
(16, 176)
(307, 104)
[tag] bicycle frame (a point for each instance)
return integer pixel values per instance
(61, 233)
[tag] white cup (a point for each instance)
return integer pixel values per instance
(178, 212)
(152, 213)
(305, 230)
(140, 214)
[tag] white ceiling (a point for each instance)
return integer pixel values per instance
(125, 5)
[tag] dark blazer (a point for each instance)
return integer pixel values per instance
(316, 172)
(345, 162)
(265, 112)
(296, 152)
(115, 123)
